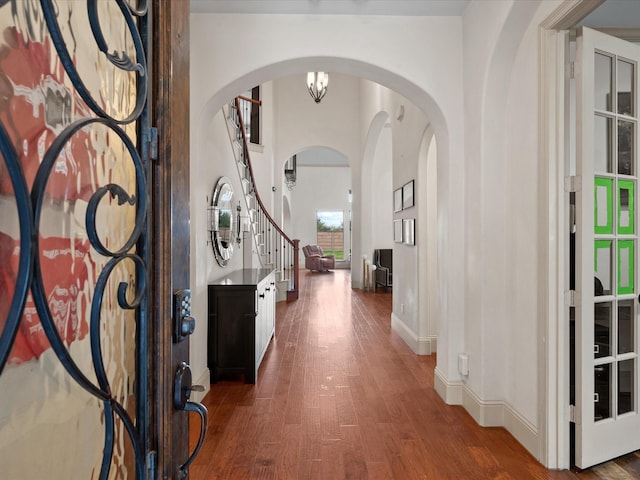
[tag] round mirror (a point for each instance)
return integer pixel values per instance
(222, 221)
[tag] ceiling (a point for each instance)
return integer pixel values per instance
(612, 13)
(615, 13)
(333, 7)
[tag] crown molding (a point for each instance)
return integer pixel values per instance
(570, 13)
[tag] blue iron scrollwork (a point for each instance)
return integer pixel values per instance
(25, 263)
(120, 60)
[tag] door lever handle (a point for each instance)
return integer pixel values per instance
(201, 410)
(182, 389)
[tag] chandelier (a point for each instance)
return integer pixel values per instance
(317, 84)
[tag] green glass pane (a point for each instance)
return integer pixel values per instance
(626, 266)
(626, 207)
(603, 206)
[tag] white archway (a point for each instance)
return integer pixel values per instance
(450, 237)
(428, 255)
(369, 172)
(267, 53)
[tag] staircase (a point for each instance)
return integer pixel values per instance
(270, 244)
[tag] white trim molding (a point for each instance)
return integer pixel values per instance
(498, 413)
(449, 391)
(420, 345)
(570, 13)
(205, 381)
(488, 413)
(553, 363)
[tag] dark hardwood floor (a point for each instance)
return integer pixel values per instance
(341, 396)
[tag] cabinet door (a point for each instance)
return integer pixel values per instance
(232, 329)
(271, 309)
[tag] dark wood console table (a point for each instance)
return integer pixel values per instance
(241, 322)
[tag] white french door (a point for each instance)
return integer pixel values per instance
(607, 242)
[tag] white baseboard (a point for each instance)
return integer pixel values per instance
(523, 430)
(488, 413)
(281, 290)
(420, 345)
(450, 392)
(205, 381)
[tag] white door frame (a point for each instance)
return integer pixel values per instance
(553, 373)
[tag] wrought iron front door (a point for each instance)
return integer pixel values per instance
(80, 392)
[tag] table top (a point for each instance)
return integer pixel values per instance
(245, 276)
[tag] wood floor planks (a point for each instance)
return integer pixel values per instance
(341, 396)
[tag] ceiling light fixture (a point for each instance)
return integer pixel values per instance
(317, 84)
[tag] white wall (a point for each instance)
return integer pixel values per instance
(319, 188)
(214, 161)
(262, 156)
(485, 126)
(213, 158)
(377, 160)
(382, 193)
(333, 123)
(501, 218)
(524, 201)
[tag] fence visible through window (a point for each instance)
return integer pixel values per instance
(330, 232)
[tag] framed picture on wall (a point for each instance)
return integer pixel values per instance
(408, 231)
(397, 200)
(407, 195)
(397, 231)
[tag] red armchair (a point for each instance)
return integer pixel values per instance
(315, 259)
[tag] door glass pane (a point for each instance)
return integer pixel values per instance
(88, 199)
(602, 267)
(626, 266)
(602, 144)
(603, 206)
(626, 207)
(626, 142)
(603, 68)
(330, 233)
(626, 316)
(624, 76)
(602, 394)
(626, 389)
(602, 330)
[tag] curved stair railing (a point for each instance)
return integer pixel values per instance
(273, 246)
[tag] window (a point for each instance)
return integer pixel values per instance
(330, 232)
(250, 110)
(254, 127)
